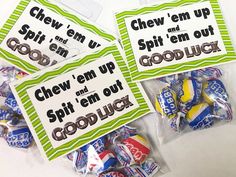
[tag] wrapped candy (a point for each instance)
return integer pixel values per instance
(121, 158)
(8, 74)
(123, 155)
(79, 159)
(204, 74)
(148, 168)
(200, 116)
(171, 80)
(85, 157)
(166, 103)
(112, 174)
(19, 138)
(177, 123)
(197, 99)
(200, 75)
(12, 126)
(214, 90)
(5, 114)
(122, 133)
(93, 157)
(98, 163)
(108, 159)
(223, 110)
(133, 150)
(98, 145)
(12, 104)
(189, 94)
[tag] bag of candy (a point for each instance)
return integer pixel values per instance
(126, 152)
(13, 127)
(190, 101)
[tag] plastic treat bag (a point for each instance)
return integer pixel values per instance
(90, 9)
(144, 2)
(190, 101)
(104, 156)
(150, 2)
(13, 127)
(125, 152)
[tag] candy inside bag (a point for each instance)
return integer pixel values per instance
(124, 152)
(13, 127)
(190, 101)
(127, 151)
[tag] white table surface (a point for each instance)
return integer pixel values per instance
(208, 153)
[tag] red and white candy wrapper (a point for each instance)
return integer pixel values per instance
(138, 147)
(126, 156)
(133, 150)
(112, 174)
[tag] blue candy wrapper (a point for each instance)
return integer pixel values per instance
(79, 159)
(98, 145)
(124, 156)
(223, 110)
(204, 74)
(166, 103)
(200, 116)
(200, 75)
(178, 123)
(147, 169)
(150, 167)
(214, 90)
(12, 126)
(171, 80)
(5, 114)
(107, 159)
(202, 100)
(189, 94)
(121, 133)
(11, 103)
(20, 138)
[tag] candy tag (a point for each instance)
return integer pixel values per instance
(93, 107)
(39, 34)
(172, 37)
